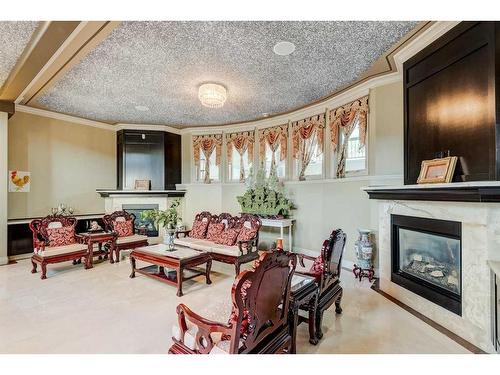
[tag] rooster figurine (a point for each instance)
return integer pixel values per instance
(20, 182)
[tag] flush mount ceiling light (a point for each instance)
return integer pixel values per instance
(212, 95)
(284, 48)
(141, 108)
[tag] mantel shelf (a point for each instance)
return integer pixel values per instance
(481, 191)
(141, 193)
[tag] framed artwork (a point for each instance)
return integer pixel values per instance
(437, 170)
(142, 185)
(19, 182)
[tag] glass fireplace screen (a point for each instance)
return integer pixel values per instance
(430, 257)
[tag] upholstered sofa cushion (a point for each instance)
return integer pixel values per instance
(129, 239)
(59, 250)
(61, 236)
(194, 243)
(199, 229)
(225, 250)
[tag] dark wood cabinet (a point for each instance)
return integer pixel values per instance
(148, 155)
(451, 99)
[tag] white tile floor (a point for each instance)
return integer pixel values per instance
(102, 310)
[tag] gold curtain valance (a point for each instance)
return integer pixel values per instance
(304, 129)
(274, 137)
(207, 143)
(241, 141)
(344, 117)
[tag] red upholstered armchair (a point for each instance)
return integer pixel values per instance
(326, 270)
(258, 322)
(122, 223)
(55, 241)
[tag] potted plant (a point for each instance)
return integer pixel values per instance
(167, 219)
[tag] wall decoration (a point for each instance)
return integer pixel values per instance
(437, 170)
(19, 182)
(265, 197)
(344, 119)
(142, 185)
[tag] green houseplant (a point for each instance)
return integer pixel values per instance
(167, 219)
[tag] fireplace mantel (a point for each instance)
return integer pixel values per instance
(474, 191)
(141, 193)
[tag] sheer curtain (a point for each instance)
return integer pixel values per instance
(207, 144)
(273, 137)
(307, 138)
(242, 142)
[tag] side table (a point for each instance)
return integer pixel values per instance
(99, 238)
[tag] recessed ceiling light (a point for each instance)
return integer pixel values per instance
(141, 108)
(284, 48)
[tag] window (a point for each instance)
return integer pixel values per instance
(315, 166)
(355, 153)
(280, 164)
(201, 169)
(307, 144)
(236, 164)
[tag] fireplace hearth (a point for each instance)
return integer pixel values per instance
(426, 259)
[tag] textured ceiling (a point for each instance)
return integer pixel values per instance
(14, 36)
(161, 64)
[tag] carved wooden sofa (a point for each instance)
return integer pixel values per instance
(258, 321)
(326, 270)
(55, 241)
(229, 239)
(122, 223)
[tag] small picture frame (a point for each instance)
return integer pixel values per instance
(142, 185)
(437, 170)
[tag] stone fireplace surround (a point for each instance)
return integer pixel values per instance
(480, 242)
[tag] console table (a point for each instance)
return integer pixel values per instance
(281, 223)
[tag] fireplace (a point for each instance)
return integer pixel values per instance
(148, 225)
(426, 259)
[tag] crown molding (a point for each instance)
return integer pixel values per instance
(169, 129)
(63, 117)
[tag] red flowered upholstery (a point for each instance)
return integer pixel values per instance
(228, 237)
(61, 236)
(214, 231)
(199, 229)
(317, 267)
(124, 228)
(246, 234)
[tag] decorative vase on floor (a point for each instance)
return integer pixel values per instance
(364, 254)
(169, 238)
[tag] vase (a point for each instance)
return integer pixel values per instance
(168, 239)
(364, 249)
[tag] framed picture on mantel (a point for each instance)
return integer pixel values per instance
(437, 170)
(142, 185)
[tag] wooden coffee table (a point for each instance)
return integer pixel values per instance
(181, 262)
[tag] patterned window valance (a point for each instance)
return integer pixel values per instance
(306, 134)
(343, 118)
(207, 144)
(242, 142)
(274, 137)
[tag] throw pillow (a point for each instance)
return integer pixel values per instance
(199, 229)
(214, 231)
(246, 234)
(124, 228)
(228, 237)
(61, 236)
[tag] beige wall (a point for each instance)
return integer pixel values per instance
(326, 204)
(67, 162)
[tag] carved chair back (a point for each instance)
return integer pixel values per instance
(39, 227)
(332, 252)
(261, 296)
(109, 220)
(203, 216)
(228, 220)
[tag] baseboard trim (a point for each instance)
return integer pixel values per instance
(459, 340)
(4, 261)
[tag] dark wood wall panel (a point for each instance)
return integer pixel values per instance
(450, 103)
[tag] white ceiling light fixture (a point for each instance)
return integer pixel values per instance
(212, 95)
(141, 108)
(284, 48)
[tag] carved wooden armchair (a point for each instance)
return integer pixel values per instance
(326, 270)
(55, 241)
(258, 322)
(123, 223)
